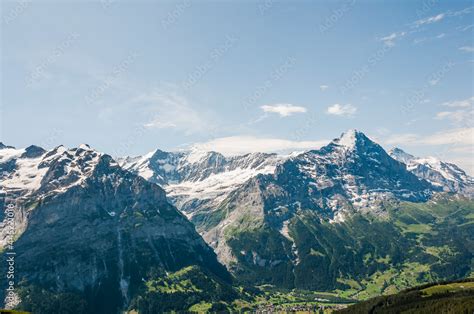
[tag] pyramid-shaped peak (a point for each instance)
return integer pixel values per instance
(400, 155)
(159, 154)
(33, 151)
(350, 138)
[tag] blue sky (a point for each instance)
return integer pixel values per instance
(128, 77)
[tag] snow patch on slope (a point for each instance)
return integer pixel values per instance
(27, 174)
(215, 187)
(348, 139)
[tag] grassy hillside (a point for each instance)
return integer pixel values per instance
(189, 289)
(453, 297)
(364, 256)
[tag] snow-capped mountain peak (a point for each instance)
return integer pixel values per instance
(85, 147)
(33, 169)
(439, 173)
(352, 145)
(199, 179)
(349, 138)
(400, 155)
(353, 170)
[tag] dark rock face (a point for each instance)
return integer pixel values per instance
(339, 178)
(3, 146)
(102, 238)
(33, 152)
(353, 170)
(7, 167)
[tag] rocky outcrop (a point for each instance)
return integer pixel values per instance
(98, 231)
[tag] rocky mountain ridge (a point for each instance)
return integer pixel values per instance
(446, 175)
(89, 230)
(196, 182)
(312, 220)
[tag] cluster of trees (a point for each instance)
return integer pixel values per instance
(204, 288)
(38, 300)
(415, 301)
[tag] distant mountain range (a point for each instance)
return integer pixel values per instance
(446, 175)
(338, 218)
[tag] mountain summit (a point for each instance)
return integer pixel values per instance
(350, 138)
(354, 168)
(90, 231)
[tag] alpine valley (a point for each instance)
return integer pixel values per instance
(199, 231)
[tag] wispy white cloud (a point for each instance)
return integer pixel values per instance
(461, 12)
(284, 110)
(430, 20)
(390, 39)
(469, 102)
(236, 145)
(417, 41)
(458, 117)
(455, 136)
(441, 16)
(452, 145)
(465, 28)
(463, 115)
(405, 138)
(169, 110)
(467, 48)
(417, 26)
(434, 81)
(158, 124)
(323, 87)
(458, 136)
(341, 110)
